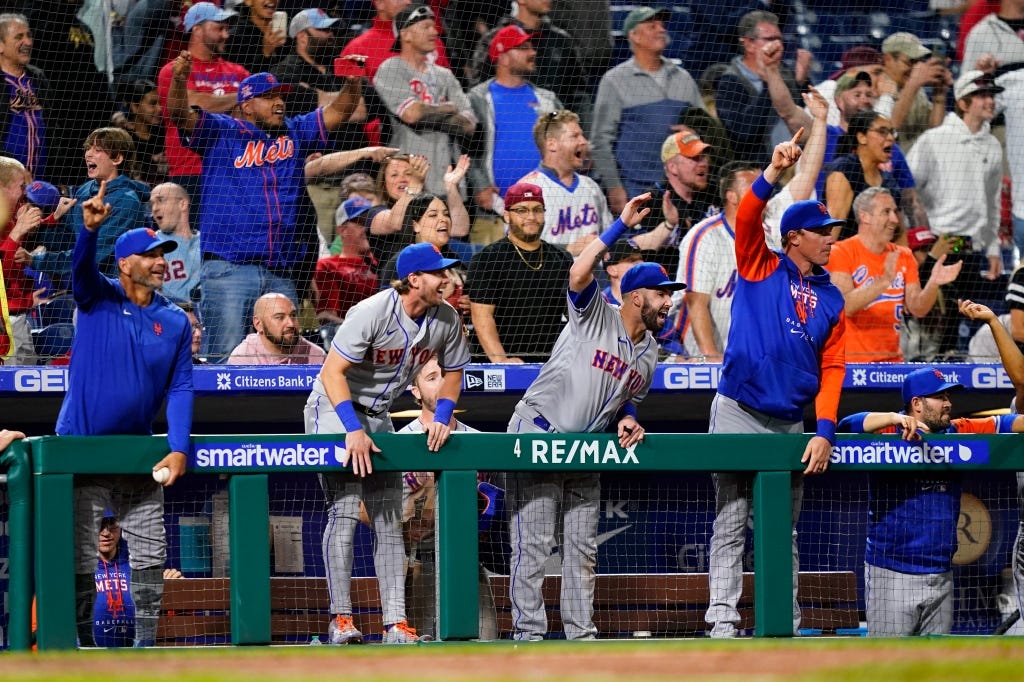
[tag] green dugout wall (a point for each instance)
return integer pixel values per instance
(41, 471)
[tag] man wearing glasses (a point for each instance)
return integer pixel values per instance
(788, 352)
(912, 67)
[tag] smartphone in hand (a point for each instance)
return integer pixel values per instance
(279, 22)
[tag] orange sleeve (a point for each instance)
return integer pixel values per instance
(976, 425)
(754, 260)
(833, 371)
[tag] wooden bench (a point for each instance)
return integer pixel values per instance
(196, 610)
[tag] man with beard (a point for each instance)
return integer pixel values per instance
(212, 86)
(517, 284)
(255, 163)
(912, 518)
(277, 340)
(605, 359)
(309, 67)
(787, 353)
(506, 107)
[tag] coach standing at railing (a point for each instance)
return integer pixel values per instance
(788, 351)
(132, 349)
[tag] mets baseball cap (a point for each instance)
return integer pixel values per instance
(42, 194)
(905, 43)
(807, 215)
(642, 14)
(140, 240)
(921, 236)
(925, 382)
(205, 11)
(423, 257)
(648, 276)
(509, 38)
(406, 17)
(309, 18)
(688, 144)
(523, 191)
(624, 249)
(260, 84)
(860, 55)
(351, 209)
(974, 81)
(847, 81)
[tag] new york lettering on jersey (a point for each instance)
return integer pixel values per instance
(606, 361)
(395, 356)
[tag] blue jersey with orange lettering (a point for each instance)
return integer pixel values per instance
(594, 367)
(252, 184)
(912, 517)
(113, 613)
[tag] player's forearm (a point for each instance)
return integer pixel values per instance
(1009, 355)
(582, 271)
(344, 105)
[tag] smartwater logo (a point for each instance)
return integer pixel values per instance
(902, 452)
(276, 455)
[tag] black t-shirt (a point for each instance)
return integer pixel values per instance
(527, 289)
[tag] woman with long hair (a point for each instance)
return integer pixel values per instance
(862, 157)
(401, 178)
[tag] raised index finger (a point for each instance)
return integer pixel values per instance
(102, 192)
(797, 135)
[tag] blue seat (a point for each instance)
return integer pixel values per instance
(53, 340)
(57, 310)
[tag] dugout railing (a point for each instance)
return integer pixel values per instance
(41, 521)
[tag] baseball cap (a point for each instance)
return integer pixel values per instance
(259, 84)
(920, 236)
(807, 215)
(924, 382)
(621, 250)
(847, 82)
(42, 194)
(642, 14)
(648, 276)
(905, 43)
(423, 257)
(860, 55)
(352, 208)
(406, 17)
(688, 144)
(974, 81)
(509, 38)
(523, 191)
(140, 240)
(205, 11)
(309, 18)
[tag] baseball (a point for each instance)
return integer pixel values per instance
(161, 475)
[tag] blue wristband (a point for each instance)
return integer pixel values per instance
(444, 411)
(612, 234)
(347, 413)
(629, 409)
(827, 430)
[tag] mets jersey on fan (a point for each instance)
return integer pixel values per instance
(570, 211)
(388, 347)
(252, 183)
(594, 368)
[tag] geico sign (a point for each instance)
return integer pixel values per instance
(692, 376)
(41, 380)
(990, 377)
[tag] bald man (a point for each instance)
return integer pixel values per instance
(169, 203)
(277, 340)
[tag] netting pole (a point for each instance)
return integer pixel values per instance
(16, 460)
(55, 561)
(458, 555)
(773, 555)
(249, 502)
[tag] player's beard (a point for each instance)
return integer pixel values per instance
(937, 421)
(285, 341)
(649, 315)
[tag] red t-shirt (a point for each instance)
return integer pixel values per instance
(342, 282)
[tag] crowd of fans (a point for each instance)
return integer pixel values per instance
(291, 152)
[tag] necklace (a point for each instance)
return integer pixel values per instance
(539, 264)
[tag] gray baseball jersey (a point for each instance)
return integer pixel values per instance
(595, 363)
(400, 86)
(388, 348)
